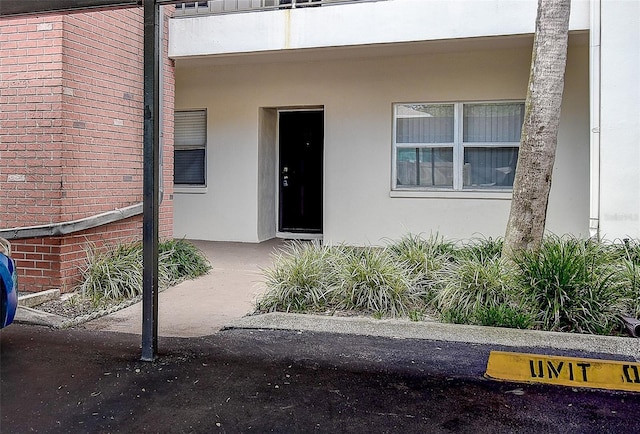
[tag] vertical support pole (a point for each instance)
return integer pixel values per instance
(595, 89)
(151, 153)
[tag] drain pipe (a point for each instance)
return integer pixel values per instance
(162, 18)
(594, 91)
(632, 325)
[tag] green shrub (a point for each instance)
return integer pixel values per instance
(373, 281)
(481, 250)
(503, 316)
(112, 272)
(423, 258)
(567, 285)
(183, 260)
(454, 316)
(472, 283)
(573, 285)
(116, 272)
(630, 274)
(301, 279)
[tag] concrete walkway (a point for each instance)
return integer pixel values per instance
(203, 306)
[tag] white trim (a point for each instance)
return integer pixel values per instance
(458, 146)
(298, 236)
(196, 189)
(594, 108)
(450, 194)
(312, 108)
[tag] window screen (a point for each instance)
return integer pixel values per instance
(190, 144)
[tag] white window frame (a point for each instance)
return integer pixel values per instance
(458, 189)
(193, 188)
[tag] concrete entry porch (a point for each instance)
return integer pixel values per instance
(203, 306)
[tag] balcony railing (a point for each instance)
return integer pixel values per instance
(212, 7)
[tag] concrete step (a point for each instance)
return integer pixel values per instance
(36, 298)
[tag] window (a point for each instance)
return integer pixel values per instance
(202, 4)
(456, 146)
(190, 144)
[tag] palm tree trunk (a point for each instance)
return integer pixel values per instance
(532, 182)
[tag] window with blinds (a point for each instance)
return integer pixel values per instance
(456, 146)
(190, 145)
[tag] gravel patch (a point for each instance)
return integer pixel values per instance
(75, 305)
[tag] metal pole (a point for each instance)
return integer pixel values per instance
(151, 163)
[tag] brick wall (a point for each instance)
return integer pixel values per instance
(71, 91)
(102, 112)
(31, 131)
(168, 96)
(55, 262)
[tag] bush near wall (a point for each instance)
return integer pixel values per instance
(569, 285)
(115, 272)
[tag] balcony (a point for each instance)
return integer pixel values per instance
(213, 29)
(214, 7)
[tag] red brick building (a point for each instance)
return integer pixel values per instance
(71, 127)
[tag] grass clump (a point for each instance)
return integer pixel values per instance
(373, 281)
(630, 274)
(183, 259)
(311, 277)
(424, 259)
(300, 280)
(479, 289)
(572, 285)
(504, 316)
(116, 272)
(112, 273)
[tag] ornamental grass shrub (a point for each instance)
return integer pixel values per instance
(630, 274)
(373, 281)
(112, 272)
(424, 260)
(573, 285)
(480, 289)
(183, 260)
(301, 279)
(569, 284)
(115, 272)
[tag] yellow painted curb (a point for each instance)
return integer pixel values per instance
(564, 371)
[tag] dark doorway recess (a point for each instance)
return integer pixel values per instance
(301, 157)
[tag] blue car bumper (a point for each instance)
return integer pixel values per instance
(9, 289)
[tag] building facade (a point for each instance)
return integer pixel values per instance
(365, 120)
(350, 121)
(71, 165)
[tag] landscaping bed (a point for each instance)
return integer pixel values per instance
(112, 278)
(568, 285)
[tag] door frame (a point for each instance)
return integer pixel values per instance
(297, 235)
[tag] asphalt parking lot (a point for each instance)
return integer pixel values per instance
(288, 381)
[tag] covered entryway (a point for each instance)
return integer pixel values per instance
(300, 168)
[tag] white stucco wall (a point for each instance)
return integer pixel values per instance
(620, 120)
(357, 96)
(365, 23)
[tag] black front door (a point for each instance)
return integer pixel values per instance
(301, 155)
